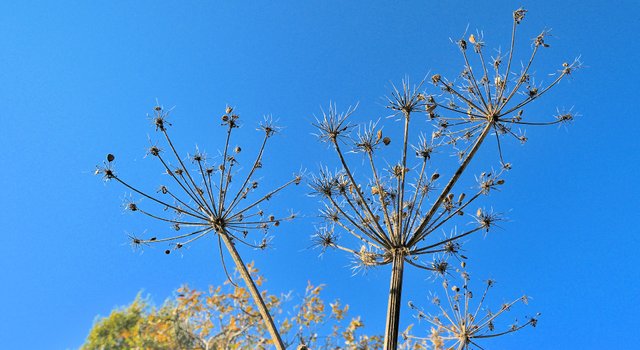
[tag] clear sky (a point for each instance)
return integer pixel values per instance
(78, 77)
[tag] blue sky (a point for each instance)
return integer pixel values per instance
(77, 79)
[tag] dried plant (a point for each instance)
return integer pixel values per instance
(391, 216)
(461, 323)
(203, 201)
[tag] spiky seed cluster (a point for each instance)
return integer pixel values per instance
(460, 323)
(487, 219)
(393, 210)
(204, 198)
(333, 126)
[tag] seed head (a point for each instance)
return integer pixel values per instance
(518, 15)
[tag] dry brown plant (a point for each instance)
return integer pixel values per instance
(461, 323)
(202, 201)
(394, 218)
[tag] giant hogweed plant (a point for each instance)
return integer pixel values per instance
(463, 321)
(209, 197)
(394, 214)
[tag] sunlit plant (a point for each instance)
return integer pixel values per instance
(462, 320)
(205, 199)
(393, 215)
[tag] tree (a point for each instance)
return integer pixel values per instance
(223, 318)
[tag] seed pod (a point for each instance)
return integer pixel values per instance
(435, 176)
(110, 157)
(237, 149)
(386, 141)
(500, 182)
(461, 198)
(167, 251)
(430, 108)
(229, 109)
(479, 212)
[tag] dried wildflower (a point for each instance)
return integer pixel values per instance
(487, 219)
(324, 237)
(106, 169)
(392, 211)
(407, 100)
(204, 205)
(368, 138)
(464, 324)
(333, 125)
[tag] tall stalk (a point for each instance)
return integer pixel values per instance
(392, 327)
(253, 290)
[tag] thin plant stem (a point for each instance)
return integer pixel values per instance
(419, 234)
(253, 290)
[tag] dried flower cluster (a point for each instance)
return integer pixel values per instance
(461, 323)
(394, 216)
(202, 199)
(394, 213)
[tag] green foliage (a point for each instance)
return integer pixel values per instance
(139, 326)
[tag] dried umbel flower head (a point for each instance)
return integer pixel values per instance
(205, 199)
(333, 126)
(394, 210)
(462, 321)
(391, 209)
(200, 199)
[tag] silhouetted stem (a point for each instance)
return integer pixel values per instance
(253, 290)
(395, 300)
